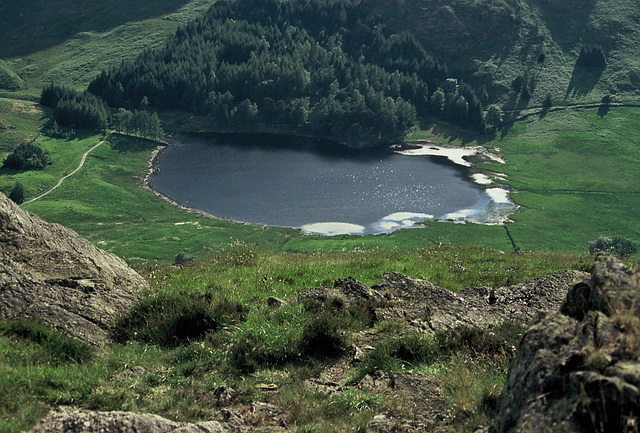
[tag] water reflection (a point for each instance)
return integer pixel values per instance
(318, 186)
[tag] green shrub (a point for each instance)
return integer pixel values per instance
(616, 245)
(322, 338)
(61, 347)
(17, 193)
(27, 156)
(173, 319)
(414, 349)
(182, 259)
(253, 351)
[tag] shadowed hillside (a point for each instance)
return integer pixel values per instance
(33, 25)
(491, 43)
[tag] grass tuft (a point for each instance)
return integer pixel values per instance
(58, 347)
(322, 338)
(173, 319)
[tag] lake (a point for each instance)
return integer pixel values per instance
(318, 186)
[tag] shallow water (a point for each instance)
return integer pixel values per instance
(315, 185)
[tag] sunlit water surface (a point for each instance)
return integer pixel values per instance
(319, 186)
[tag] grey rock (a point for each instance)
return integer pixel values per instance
(382, 424)
(48, 272)
(431, 308)
(577, 370)
(279, 302)
(323, 386)
(223, 395)
(347, 290)
(70, 420)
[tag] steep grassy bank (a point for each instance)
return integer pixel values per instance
(492, 42)
(70, 42)
(259, 351)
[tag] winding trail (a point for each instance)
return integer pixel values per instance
(82, 161)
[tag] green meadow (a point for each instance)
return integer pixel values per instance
(575, 173)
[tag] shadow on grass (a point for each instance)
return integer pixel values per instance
(451, 133)
(583, 80)
(126, 144)
(566, 21)
(603, 109)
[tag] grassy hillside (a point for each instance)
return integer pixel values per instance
(259, 345)
(573, 185)
(560, 164)
(488, 43)
(574, 172)
(34, 25)
(71, 41)
(491, 42)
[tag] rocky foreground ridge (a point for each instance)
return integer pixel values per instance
(576, 369)
(48, 272)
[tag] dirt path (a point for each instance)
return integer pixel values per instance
(82, 161)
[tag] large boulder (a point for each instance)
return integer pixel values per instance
(48, 272)
(577, 370)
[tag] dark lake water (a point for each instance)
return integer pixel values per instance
(310, 184)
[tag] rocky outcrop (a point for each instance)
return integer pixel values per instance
(432, 308)
(577, 370)
(48, 272)
(70, 420)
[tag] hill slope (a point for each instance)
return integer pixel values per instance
(492, 42)
(488, 43)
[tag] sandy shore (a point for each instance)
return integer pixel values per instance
(455, 154)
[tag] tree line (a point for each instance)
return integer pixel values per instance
(320, 67)
(84, 110)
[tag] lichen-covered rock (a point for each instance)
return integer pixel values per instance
(577, 370)
(433, 308)
(48, 272)
(71, 420)
(430, 308)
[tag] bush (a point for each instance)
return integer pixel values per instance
(17, 193)
(493, 116)
(27, 156)
(269, 348)
(61, 347)
(414, 349)
(172, 319)
(182, 259)
(322, 338)
(55, 131)
(616, 245)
